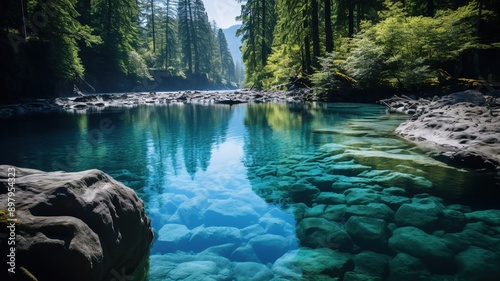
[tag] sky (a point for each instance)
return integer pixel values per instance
(223, 12)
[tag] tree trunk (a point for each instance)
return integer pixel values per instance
(263, 31)
(188, 37)
(430, 8)
(350, 3)
(315, 32)
(167, 23)
(153, 24)
(194, 39)
(328, 26)
(307, 49)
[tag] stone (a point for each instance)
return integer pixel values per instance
(198, 271)
(477, 264)
(230, 212)
(244, 254)
(330, 198)
(461, 123)
(423, 213)
(491, 217)
(406, 267)
(204, 237)
(190, 212)
(320, 233)
(251, 271)
(373, 210)
(371, 263)
(269, 247)
(313, 264)
(394, 201)
(303, 192)
(451, 220)
(82, 225)
(171, 237)
(358, 196)
(368, 233)
(357, 276)
(432, 250)
(323, 182)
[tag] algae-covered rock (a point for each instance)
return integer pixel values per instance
(373, 210)
(371, 263)
(406, 267)
(313, 264)
(320, 233)
(357, 196)
(422, 213)
(369, 233)
(77, 226)
(432, 250)
(477, 264)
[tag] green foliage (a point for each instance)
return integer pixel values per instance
(326, 79)
(406, 48)
(136, 66)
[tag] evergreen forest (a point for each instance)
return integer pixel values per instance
(55, 47)
(62, 47)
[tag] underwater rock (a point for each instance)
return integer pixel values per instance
(244, 254)
(477, 264)
(312, 264)
(244, 271)
(303, 192)
(491, 217)
(430, 249)
(371, 263)
(82, 225)
(321, 233)
(373, 210)
(330, 198)
(230, 212)
(368, 233)
(190, 212)
(406, 267)
(357, 276)
(204, 237)
(269, 247)
(171, 237)
(358, 196)
(423, 213)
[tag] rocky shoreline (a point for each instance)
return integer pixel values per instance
(101, 101)
(462, 128)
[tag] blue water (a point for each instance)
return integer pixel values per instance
(218, 183)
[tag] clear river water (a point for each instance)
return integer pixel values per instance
(278, 191)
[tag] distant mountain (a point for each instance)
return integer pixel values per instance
(233, 42)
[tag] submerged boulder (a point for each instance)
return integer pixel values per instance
(82, 225)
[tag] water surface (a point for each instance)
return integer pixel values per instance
(241, 192)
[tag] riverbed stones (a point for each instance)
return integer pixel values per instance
(321, 233)
(368, 233)
(407, 267)
(372, 264)
(373, 210)
(432, 250)
(477, 264)
(230, 212)
(423, 213)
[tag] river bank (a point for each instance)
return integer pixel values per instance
(100, 101)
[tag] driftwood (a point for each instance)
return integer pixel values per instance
(404, 104)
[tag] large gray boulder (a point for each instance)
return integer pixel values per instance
(82, 225)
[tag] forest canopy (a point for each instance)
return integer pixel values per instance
(54, 46)
(368, 44)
